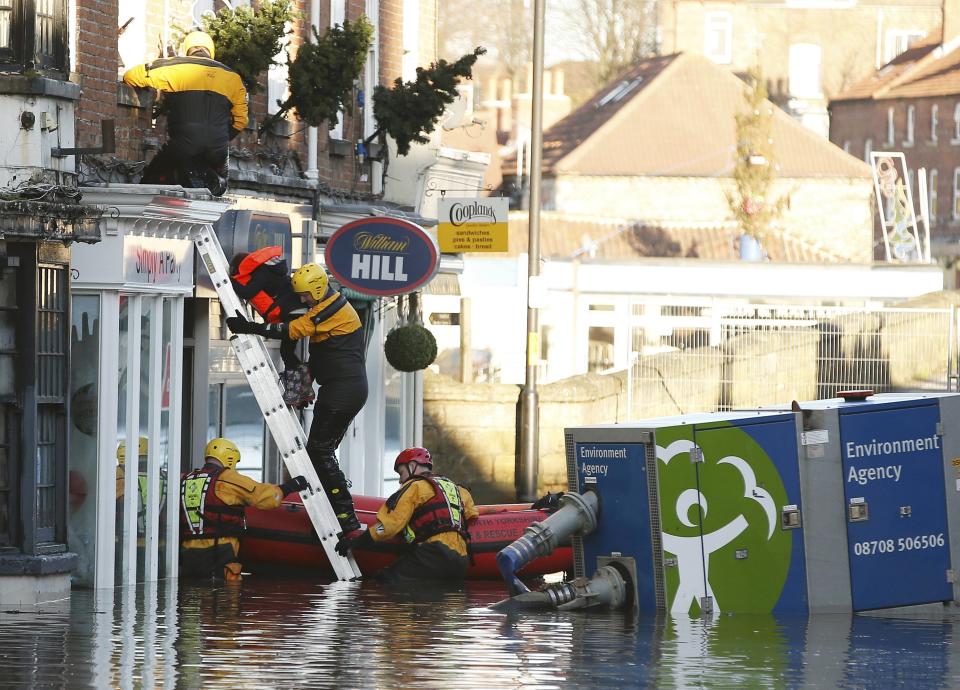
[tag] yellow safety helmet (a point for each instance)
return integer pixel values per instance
(310, 278)
(223, 450)
(122, 450)
(198, 39)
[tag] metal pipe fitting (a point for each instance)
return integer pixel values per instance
(577, 515)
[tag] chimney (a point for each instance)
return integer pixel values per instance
(951, 22)
(558, 81)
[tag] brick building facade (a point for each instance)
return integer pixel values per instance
(912, 104)
(279, 153)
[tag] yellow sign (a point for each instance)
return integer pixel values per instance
(473, 225)
(956, 462)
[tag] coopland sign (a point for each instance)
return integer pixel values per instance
(382, 256)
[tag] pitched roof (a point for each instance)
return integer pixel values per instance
(893, 71)
(675, 116)
(565, 236)
(924, 70)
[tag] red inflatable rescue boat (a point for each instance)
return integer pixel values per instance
(282, 540)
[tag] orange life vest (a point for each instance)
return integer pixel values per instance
(263, 280)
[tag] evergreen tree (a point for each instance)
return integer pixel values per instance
(323, 73)
(409, 111)
(248, 39)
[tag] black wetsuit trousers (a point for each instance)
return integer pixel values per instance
(338, 402)
(428, 561)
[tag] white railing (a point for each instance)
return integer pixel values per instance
(714, 355)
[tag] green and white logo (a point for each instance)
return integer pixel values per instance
(719, 521)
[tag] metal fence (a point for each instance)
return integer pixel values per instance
(718, 355)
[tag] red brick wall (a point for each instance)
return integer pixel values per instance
(852, 123)
(96, 62)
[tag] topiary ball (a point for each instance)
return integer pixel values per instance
(410, 348)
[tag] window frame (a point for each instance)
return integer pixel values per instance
(934, 122)
(891, 127)
(932, 196)
(955, 211)
(24, 51)
(894, 37)
(911, 125)
(726, 19)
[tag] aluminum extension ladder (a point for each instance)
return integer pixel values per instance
(255, 360)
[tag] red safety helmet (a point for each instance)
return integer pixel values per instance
(417, 455)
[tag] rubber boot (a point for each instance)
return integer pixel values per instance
(336, 487)
(342, 503)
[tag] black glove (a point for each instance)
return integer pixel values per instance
(347, 543)
(549, 502)
(238, 324)
(297, 483)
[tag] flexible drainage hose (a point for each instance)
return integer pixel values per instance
(577, 515)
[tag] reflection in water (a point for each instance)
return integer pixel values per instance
(296, 634)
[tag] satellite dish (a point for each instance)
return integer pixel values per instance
(460, 110)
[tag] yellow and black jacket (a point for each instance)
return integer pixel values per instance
(407, 507)
(337, 346)
(205, 100)
(211, 487)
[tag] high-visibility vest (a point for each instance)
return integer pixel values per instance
(203, 515)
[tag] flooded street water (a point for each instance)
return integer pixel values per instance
(301, 634)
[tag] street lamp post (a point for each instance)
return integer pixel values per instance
(529, 413)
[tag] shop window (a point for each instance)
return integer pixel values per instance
(8, 353)
(8, 476)
(33, 35)
(934, 121)
(911, 123)
(84, 406)
(718, 37)
(244, 425)
(123, 330)
(393, 441)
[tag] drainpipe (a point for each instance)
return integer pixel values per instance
(311, 173)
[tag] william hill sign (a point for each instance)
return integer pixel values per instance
(382, 256)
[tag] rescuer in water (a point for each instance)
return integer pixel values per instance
(212, 511)
(431, 512)
(206, 106)
(338, 365)
(262, 278)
